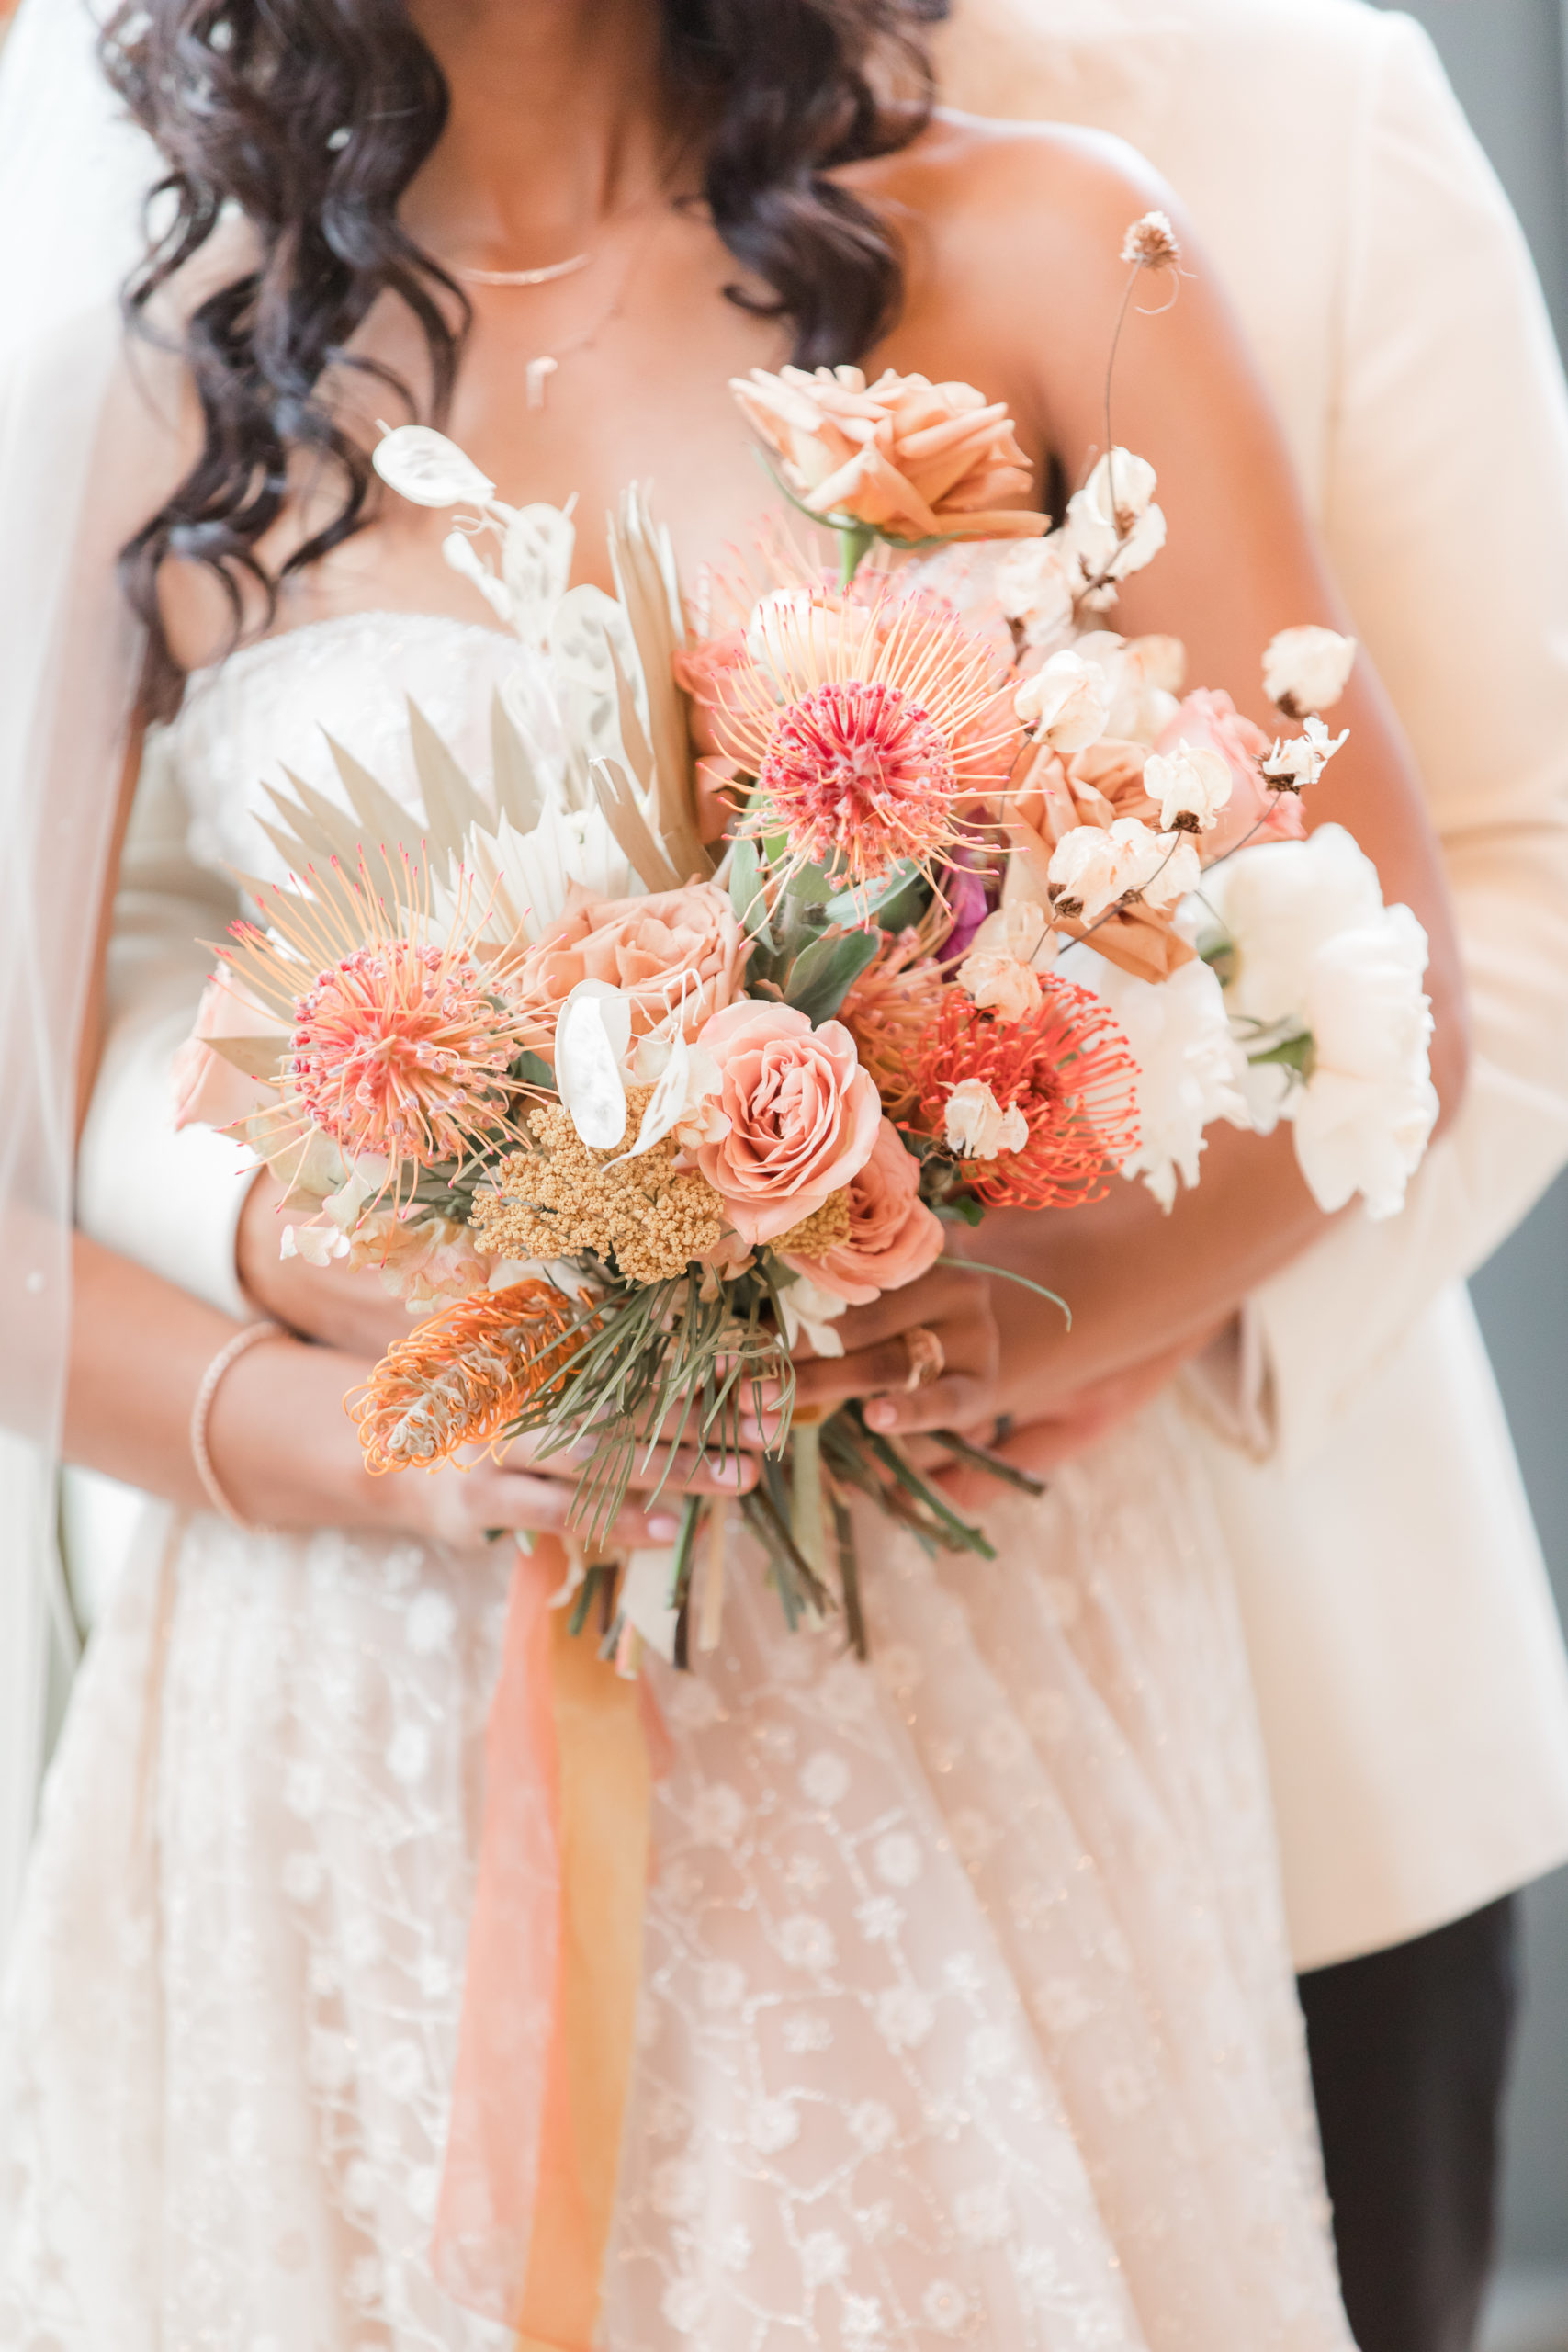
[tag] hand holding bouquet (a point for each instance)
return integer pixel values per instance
(639, 1106)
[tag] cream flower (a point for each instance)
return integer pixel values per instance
(1145, 674)
(999, 972)
(1293, 765)
(1120, 489)
(1068, 703)
(1307, 668)
(1094, 867)
(809, 1314)
(1034, 588)
(1191, 786)
(976, 1128)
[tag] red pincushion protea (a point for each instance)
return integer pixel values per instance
(1066, 1066)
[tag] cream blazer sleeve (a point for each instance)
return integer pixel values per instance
(1445, 504)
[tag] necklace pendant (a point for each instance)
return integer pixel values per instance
(535, 376)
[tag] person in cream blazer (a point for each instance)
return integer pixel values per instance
(1410, 1674)
(1408, 1664)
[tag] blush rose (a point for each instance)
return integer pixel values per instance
(803, 1115)
(650, 948)
(893, 1239)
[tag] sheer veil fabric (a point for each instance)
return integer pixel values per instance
(77, 439)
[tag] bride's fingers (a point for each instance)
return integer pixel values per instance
(663, 1471)
(466, 1506)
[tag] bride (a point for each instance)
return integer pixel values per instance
(965, 2013)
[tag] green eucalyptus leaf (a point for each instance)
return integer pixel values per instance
(858, 906)
(824, 973)
(532, 1069)
(746, 893)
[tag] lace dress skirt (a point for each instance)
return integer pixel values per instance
(966, 2012)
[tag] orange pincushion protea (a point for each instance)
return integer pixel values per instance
(1066, 1066)
(463, 1377)
(892, 1005)
(866, 725)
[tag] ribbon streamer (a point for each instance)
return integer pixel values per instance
(554, 1958)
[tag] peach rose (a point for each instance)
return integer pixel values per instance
(907, 457)
(208, 1090)
(804, 1117)
(1210, 722)
(651, 948)
(894, 1238)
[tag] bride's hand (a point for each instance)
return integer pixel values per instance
(335, 1304)
(952, 1304)
(288, 1456)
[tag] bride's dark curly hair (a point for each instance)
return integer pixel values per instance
(314, 118)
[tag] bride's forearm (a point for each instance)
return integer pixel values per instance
(1140, 1283)
(140, 1347)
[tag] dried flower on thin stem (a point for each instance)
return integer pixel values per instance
(1152, 243)
(1066, 1068)
(463, 1377)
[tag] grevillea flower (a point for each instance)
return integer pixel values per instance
(399, 1047)
(1066, 1068)
(463, 1377)
(866, 726)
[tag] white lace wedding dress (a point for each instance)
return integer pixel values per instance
(966, 2013)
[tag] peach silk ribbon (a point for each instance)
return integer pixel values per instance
(555, 1953)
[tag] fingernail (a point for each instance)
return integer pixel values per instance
(728, 1474)
(662, 1528)
(882, 1416)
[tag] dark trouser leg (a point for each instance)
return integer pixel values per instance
(1409, 2054)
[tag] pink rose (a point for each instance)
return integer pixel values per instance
(1210, 722)
(894, 1238)
(208, 1090)
(676, 947)
(804, 1117)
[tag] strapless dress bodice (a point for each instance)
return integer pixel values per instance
(269, 709)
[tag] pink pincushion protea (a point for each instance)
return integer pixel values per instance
(856, 772)
(867, 721)
(399, 1049)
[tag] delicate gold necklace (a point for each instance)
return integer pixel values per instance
(537, 371)
(545, 277)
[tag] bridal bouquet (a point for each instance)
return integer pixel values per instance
(804, 919)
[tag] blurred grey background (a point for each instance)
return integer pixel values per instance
(1506, 59)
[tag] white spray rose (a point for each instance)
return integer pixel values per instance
(1366, 1112)
(1067, 703)
(976, 1126)
(1316, 954)
(1191, 1071)
(1307, 668)
(1190, 785)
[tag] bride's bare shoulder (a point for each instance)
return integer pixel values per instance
(997, 191)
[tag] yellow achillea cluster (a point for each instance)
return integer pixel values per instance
(558, 1196)
(816, 1233)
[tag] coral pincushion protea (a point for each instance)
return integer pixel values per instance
(399, 1047)
(1066, 1067)
(463, 1377)
(866, 726)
